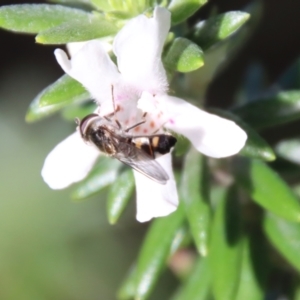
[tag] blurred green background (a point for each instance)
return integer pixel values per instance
(51, 247)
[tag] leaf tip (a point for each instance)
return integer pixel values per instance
(112, 220)
(39, 39)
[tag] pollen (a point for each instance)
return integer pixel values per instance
(137, 129)
(152, 124)
(145, 130)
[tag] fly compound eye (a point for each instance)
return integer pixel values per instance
(84, 124)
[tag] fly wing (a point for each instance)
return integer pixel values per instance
(143, 163)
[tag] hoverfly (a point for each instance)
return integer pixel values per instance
(138, 152)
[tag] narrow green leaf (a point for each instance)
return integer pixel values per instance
(296, 290)
(184, 56)
(64, 90)
(127, 288)
(181, 239)
(155, 251)
(197, 285)
(119, 195)
(256, 146)
(254, 268)
(36, 113)
(217, 28)
(266, 188)
(89, 28)
(73, 2)
(183, 9)
(102, 176)
(226, 248)
(33, 18)
(103, 5)
(194, 196)
(282, 108)
(285, 237)
(78, 111)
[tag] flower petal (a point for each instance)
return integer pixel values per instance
(93, 68)
(69, 162)
(210, 134)
(138, 47)
(154, 199)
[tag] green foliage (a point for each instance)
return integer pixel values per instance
(183, 56)
(77, 30)
(34, 18)
(215, 29)
(182, 9)
(64, 90)
(98, 179)
(226, 247)
(119, 195)
(254, 268)
(229, 209)
(266, 187)
(197, 285)
(155, 251)
(285, 236)
(281, 108)
(194, 196)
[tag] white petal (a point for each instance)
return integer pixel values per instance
(93, 68)
(154, 199)
(138, 47)
(69, 162)
(210, 134)
(73, 48)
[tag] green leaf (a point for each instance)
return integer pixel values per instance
(282, 108)
(183, 9)
(33, 18)
(64, 90)
(285, 237)
(89, 28)
(127, 288)
(254, 268)
(155, 251)
(181, 239)
(194, 196)
(74, 111)
(103, 5)
(102, 176)
(217, 28)
(36, 113)
(226, 247)
(197, 285)
(184, 56)
(266, 188)
(256, 146)
(119, 195)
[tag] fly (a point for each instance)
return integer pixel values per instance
(138, 152)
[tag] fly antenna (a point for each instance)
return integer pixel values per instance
(113, 100)
(114, 106)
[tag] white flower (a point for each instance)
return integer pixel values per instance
(140, 85)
